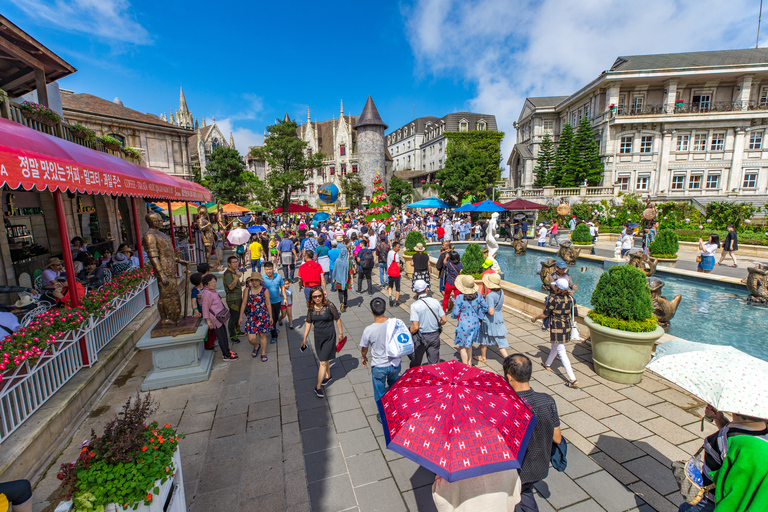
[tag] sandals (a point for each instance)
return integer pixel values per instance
(548, 368)
(263, 358)
(255, 352)
(734, 266)
(480, 359)
(572, 384)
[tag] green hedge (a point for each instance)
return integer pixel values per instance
(413, 239)
(666, 243)
(623, 294)
(472, 260)
(624, 325)
(581, 235)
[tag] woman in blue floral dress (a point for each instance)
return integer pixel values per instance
(470, 308)
(258, 317)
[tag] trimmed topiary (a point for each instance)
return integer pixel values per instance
(581, 235)
(622, 300)
(666, 245)
(472, 260)
(412, 240)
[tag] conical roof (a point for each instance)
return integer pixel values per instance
(286, 118)
(370, 116)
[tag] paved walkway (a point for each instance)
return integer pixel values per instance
(258, 437)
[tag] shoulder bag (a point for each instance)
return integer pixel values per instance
(575, 334)
(687, 474)
(439, 327)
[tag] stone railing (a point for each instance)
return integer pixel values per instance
(546, 193)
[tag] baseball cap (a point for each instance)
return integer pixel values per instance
(420, 285)
(561, 264)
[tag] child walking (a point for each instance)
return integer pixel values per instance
(559, 311)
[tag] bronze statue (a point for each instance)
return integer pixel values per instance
(639, 259)
(520, 243)
(163, 259)
(568, 252)
(206, 232)
(757, 283)
(563, 210)
(547, 268)
(649, 215)
(220, 218)
(663, 309)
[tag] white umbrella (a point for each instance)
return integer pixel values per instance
(724, 377)
(238, 236)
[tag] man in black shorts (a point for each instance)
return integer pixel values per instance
(394, 267)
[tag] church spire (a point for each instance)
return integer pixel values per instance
(182, 101)
(231, 141)
(308, 121)
(203, 121)
(342, 108)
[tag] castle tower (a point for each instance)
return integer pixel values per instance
(183, 115)
(370, 145)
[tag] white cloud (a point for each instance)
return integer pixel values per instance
(110, 20)
(511, 49)
(244, 137)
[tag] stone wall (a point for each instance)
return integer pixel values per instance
(370, 151)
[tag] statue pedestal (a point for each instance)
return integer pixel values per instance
(607, 264)
(219, 281)
(177, 360)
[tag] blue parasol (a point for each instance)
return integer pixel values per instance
(245, 219)
(321, 216)
(429, 202)
(488, 206)
(468, 207)
(256, 229)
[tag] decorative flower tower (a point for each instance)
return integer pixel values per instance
(378, 209)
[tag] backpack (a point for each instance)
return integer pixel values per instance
(399, 340)
(366, 262)
(382, 251)
(241, 249)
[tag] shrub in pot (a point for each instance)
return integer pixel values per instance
(412, 240)
(666, 245)
(472, 261)
(622, 325)
(581, 235)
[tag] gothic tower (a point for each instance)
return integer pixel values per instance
(370, 145)
(183, 115)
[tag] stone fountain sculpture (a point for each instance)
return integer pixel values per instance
(563, 210)
(520, 243)
(639, 259)
(757, 283)
(547, 268)
(649, 215)
(568, 252)
(663, 309)
(490, 238)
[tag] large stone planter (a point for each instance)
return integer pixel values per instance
(408, 264)
(667, 262)
(621, 356)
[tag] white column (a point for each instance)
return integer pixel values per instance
(670, 95)
(734, 174)
(662, 174)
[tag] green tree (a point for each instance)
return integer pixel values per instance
(560, 169)
(226, 176)
(258, 190)
(464, 173)
(544, 162)
(400, 192)
(585, 155)
(483, 149)
(288, 161)
(353, 190)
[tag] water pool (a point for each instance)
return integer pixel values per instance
(709, 313)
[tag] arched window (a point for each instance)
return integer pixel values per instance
(463, 125)
(342, 150)
(118, 137)
(215, 143)
(481, 125)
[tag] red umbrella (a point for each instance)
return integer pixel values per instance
(456, 420)
(523, 205)
(295, 208)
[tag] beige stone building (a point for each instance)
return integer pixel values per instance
(675, 126)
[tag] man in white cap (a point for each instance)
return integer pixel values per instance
(427, 319)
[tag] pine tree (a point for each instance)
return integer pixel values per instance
(586, 156)
(545, 162)
(559, 170)
(378, 209)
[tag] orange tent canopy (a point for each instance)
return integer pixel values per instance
(233, 208)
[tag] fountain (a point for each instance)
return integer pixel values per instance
(568, 252)
(520, 243)
(639, 259)
(663, 309)
(547, 267)
(757, 283)
(563, 210)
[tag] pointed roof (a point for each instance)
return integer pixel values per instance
(286, 118)
(182, 101)
(231, 141)
(370, 116)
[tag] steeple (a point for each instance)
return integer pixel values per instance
(370, 116)
(182, 101)
(203, 121)
(286, 119)
(183, 115)
(231, 141)
(308, 115)
(342, 108)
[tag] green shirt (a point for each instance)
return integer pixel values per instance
(234, 296)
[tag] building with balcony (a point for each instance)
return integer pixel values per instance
(675, 126)
(419, 148)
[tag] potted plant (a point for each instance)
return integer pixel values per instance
(581, 236)
(132, 153)
(622, 325)
(472, 261)
(82, 132)
(665, 247)
(135, 464)
(39, 113)
(411, 241)
(110, 142)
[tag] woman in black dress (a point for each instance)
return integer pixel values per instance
(322, 314)
(420, 265)
(730, 246)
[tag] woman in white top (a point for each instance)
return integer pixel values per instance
(708, 250)
(627, 241)
(542, 240)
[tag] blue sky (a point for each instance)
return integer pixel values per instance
(247, 63)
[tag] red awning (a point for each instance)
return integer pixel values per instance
(35, 160)
(523, 205)
(295, 208)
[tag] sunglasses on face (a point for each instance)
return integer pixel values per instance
(317, 296)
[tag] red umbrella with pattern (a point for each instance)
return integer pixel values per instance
(456, 420)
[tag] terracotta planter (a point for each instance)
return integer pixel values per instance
(38, 117)
(621, 356)
(408, 264)
(110, 146)
(78, 133)
(667, 262)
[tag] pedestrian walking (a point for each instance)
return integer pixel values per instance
(594, 232)
(382, 250)
(469, 309)
(216, 315)
(234, 294)
(342, 275)
(560, 310)
(452, 270)
(493, 331)
(324, 259)
(730, 246)
(365, 263)
(310, 274)
(708, 250)
(385, 370)
(427, 319)
(394, 269)
(420, 265)
(255, 316)
(286, 310)
(445, 249)
(535, 465)
(322, 315)
(553, 234)
(276, 286)
(288, 257)
(255, 249)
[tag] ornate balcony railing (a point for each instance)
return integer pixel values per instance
(689, 108)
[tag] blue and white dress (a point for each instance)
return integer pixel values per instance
(469, 313)
(492, 330)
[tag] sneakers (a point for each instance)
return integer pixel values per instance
(227, 359)
(234, 340)
(391, 302)
(326, 381)
(319, 392)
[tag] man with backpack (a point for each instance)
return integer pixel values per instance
(427, 319)
(365, 262)
(382, 250)
(394, 268)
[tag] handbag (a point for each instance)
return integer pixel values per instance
(575, 334)
(698, 258)
(559, 458)
(687, 474)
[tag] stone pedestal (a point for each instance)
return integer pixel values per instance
(219, 281)
(177, 360)
(607, 264)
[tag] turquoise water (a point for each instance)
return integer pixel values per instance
(709, 313)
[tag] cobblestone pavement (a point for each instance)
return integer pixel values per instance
(258, 437)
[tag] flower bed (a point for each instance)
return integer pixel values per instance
(30, 343)
(39, 113)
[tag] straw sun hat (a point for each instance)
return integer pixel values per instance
(419, 247)
(492, 281)
(466, 284)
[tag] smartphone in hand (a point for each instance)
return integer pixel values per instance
(303, 348)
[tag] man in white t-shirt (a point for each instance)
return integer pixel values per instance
(384, 370)
(427, 316)
(393, 275)
(542, 240)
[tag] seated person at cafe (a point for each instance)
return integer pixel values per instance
(77, 246)
(121, 262)
(62, 294)
(79, 261)
(54, 270)
(92, 275)
(105, 261)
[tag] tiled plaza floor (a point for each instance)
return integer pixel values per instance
(258, 437)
